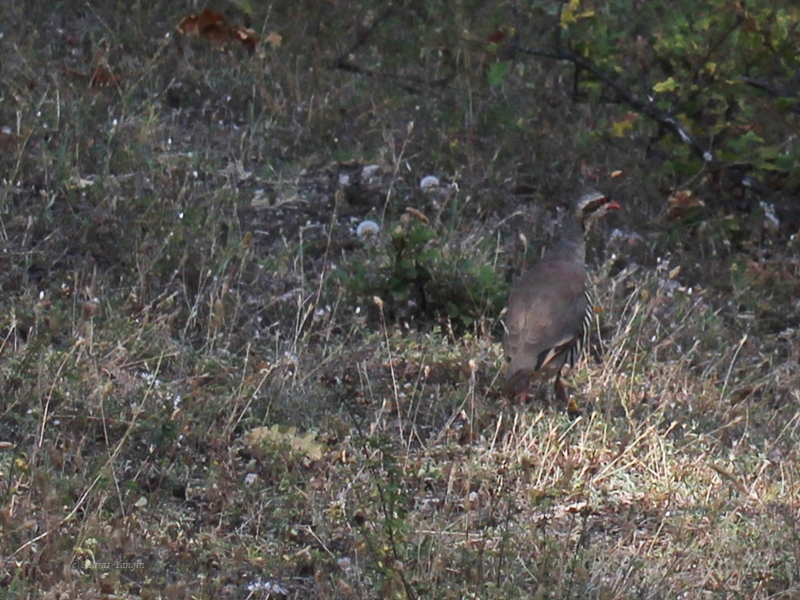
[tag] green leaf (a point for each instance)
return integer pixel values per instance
(418, 236)
(785, 103)
(452, 310)
(668, 85)
(568, 12)
(428, 255)
(498, 72)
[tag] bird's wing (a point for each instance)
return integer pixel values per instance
(545, 314)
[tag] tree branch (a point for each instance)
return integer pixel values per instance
(773, 91)
(408, 83)
(646, 107)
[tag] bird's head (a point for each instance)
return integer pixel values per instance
(592, 206)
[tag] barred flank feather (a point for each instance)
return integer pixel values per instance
(586, 327)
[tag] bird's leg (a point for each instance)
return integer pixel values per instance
(573, 410)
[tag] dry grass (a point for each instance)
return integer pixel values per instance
(196, 404)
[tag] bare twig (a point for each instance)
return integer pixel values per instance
(773, 91)
(645, 106)
(408, 83)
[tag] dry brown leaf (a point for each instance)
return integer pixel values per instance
(274, 40)
(417, 214)
(212, 26)
(207, 24)
(682, 204)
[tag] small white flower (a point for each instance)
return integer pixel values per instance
(429, 182)
(367, 229)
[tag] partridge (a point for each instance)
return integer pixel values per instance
(549, 309)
